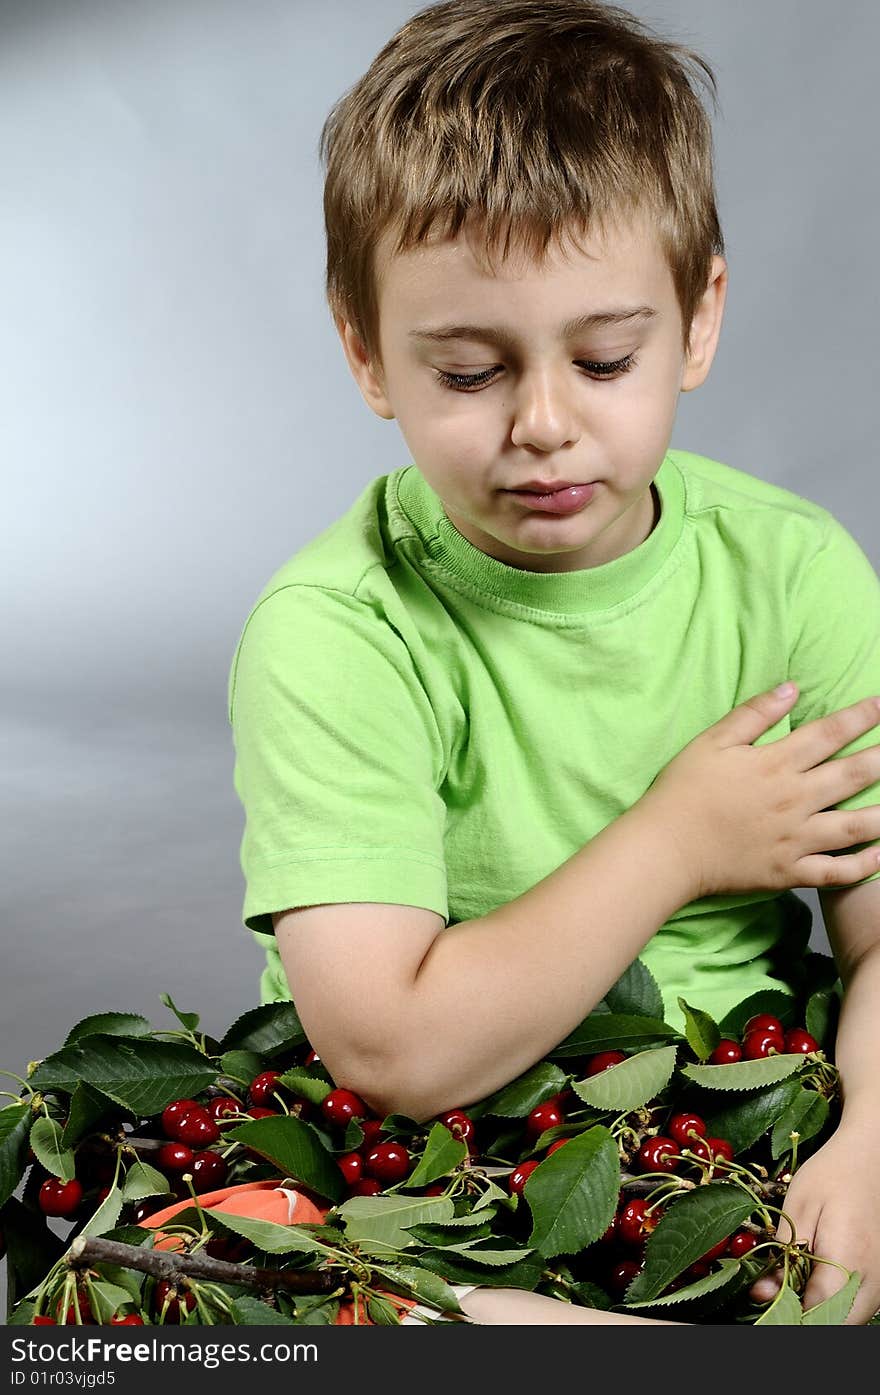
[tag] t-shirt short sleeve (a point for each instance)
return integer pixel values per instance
(836, 649)
(338, 759)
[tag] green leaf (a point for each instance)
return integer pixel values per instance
(476, 1252)
(636, 993)
(270, 1237)
(784, 1311)
(381, 1312)
(14, 1127)
(436, 1237)
(308, 1083)
(611, 1031)
(87, 1106)
(516, 1100)
(833, 1311)
(688, 1228)
(422, 1284)
(631, 1083)
(443, 1153)
(241, 1065)
(745, 1075)
(745, 1118)
(253, 1312)
(268, 1030)
(526, 1273)
(46, 1142)
(702, 1031)
(772, 1000)
(720, 1278)
(142, 1076)
(142, 1180)
(806, 1115)
(31, 1249)
(189, 1020)
(384, 1219)
(820, 972)
(106, 1216)
(821, 1017)
(109, 1024)
(572, 1194)
(106, 1299)
(294, 1146)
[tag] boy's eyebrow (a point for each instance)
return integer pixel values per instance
(597, 319)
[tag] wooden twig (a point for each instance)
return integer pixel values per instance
(164, 1264)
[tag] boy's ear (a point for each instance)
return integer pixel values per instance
(706, 328)
(367, 378)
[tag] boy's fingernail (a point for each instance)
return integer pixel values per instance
(784, 690)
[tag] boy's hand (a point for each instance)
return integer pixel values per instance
(834, 1204)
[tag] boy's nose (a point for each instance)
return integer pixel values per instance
(544, 412)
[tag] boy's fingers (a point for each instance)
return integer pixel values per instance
(823, 1281)
(767, 1287)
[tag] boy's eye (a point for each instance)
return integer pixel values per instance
(462, 382)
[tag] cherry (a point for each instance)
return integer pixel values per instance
(208, 1171)
(371, 1129)
(634, 1224)
(86, 1316)
(260, 1111)
(715, 1253)
(197, 1128)
(435, 1189)
(603, 1061)
(43, 1320)
(520, 1175)
(222, 1107)
(712, 1149)
(699, 1269)
(681, 1126)
(172, 1113)
(175, 1157)
(387, 1162)
(367, 1186)
(544, 1116)
(609, 1236)
(740, 1243)
(341, 1106)
(459, 1124)
(796, 1039)
(172, 1312)
(351, 1165)
(127, 1320)
(757, 1045)
(148, 1207)
(726, 1053)
(763, 1022)
(658, 1154)
(225, 1247)
(559, 1143)
(622, 1275)
(262, 1087)
(57, 1198)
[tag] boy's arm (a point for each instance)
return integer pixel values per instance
(852, 919)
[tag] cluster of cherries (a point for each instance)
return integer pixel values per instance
(763, 1035)
(628, 1232)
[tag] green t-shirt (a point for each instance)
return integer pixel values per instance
(418, 723)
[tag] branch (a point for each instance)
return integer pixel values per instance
(162, 1264)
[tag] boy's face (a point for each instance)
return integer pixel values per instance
(541, 411)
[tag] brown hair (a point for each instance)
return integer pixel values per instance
(532, 117)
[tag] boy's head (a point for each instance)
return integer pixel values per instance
(565, 136)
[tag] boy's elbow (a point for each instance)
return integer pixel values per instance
(386, 1082)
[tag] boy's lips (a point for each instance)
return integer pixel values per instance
(565, 498)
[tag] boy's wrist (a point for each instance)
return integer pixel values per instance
(666, 850)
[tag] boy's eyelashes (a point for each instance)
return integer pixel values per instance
(462, 382)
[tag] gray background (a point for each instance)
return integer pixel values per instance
(178, 419)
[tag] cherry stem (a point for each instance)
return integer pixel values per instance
(24, 1083)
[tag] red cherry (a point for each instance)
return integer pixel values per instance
(262, 1088)
(222, 1107)
(208, 1171)
(715, 1253)
(371, 1129)
(174, 1157)
(435, 1189)
(609, 1236)
(520, 1175)
(148, 1207)
(740, 1243)
(712, 1149)
(757, 1045)
(681, 1126)
(559, 1143)
(57, 1198)
(603, 1061)
(86, 1316)
(260, 1111)
(699, 1269)
(726, 1053)
(341, 1106)
(796, 1039)
(460, 1125)
(658, 1154)
(622, 1275)
(387, 1162)
(171, 1115)
(127, 1320)
(367, 1186)
(196, 1128)
(172, 1312)
(763, 1022)
(43, 1320)
(634, 1225)
(351, 1165)
(544, 1116)
(313, 1059)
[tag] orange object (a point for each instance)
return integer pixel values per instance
(268, 1200)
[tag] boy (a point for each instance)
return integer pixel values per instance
(450, 706)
